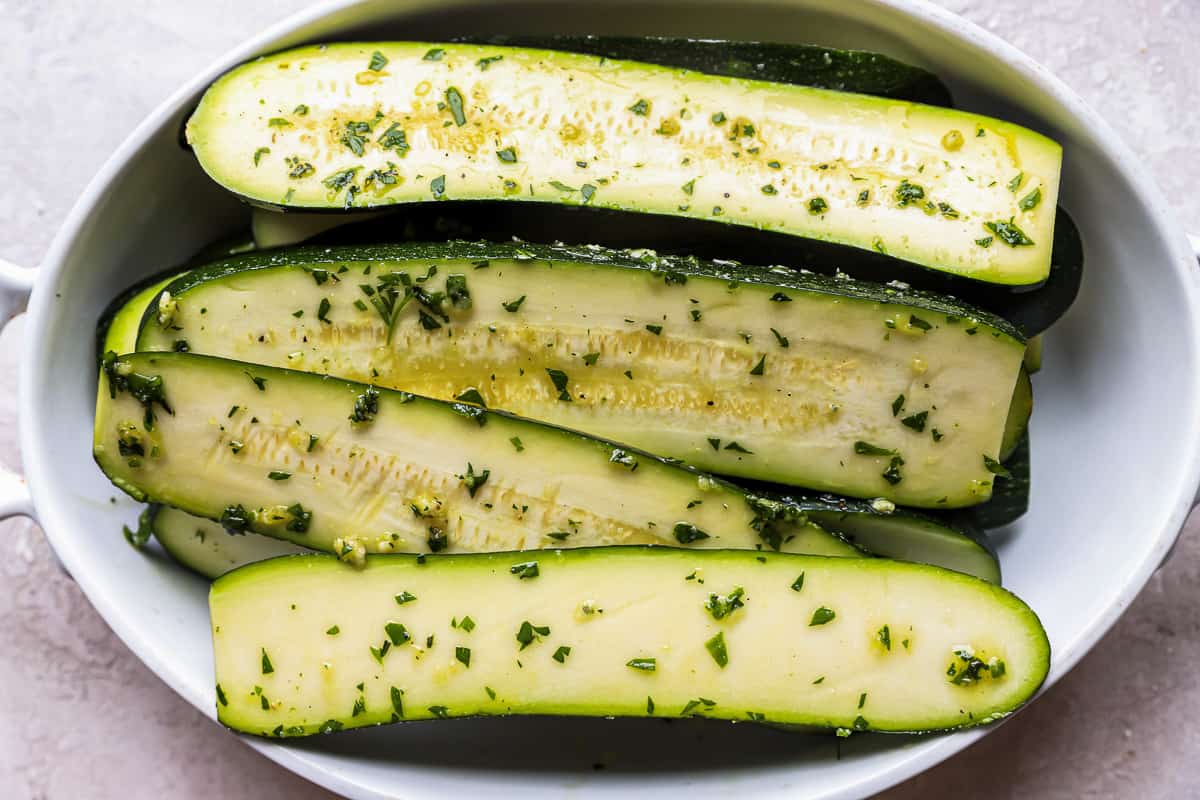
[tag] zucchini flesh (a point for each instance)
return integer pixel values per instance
(303, 645)
(207, 549)
(697, 361)
(801, 64)
(320, 128)
(277, 452)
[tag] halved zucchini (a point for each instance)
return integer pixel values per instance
(364, 125)
(822, 382)
(206, 548)
(346, 468)
(303, 645)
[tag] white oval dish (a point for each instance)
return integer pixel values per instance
(1116, 435)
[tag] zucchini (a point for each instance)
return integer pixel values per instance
(1010, 498)
(814, 376)
(879, 528)
(303, 645)
(1033, 355)
(945, 189)
(800, 64)
(346, 468)
(207, 549)
(1019, 412)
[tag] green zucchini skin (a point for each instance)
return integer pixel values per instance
(341, 467)
(653, 358)
(1019, 413)
(857, 644)
(949, 541)
(858, 71)
(1010, 495)
(207, 549)
(797, 197)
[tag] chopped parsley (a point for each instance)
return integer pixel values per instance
(560, 655)
(1031, 200)
(641, 108)
(644, 664)
(378, 61)
(916, 421)
(1009, 233)
(463, 655)
(798, 584)
(559, 379)
(513, 305)
(508, 155)
(526, 570)
(817, 205)
(716, 648)
(472, 480)
(995, 467)
(822, 616)
(405, 597)
(454, 100)
(528, 633)
(721, 606)
(884, 635)
(686, 533)
(760, 366)
(278, 475)
(434, 55)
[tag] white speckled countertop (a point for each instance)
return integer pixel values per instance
(80, 717)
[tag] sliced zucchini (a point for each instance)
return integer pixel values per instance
(1019, 412)
(773, 375)
(411, 122)
(304, 645)
(206, 548)
(882, 529)
(801, 64)
(345, 468)
(1010, 499)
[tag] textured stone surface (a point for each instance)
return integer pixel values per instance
(81, 717)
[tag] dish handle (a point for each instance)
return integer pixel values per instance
(15, 285)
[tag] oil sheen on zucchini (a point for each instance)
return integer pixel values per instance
(806, 380)
(365, 125)
(304, 645)
(207, 549)
(347, 468)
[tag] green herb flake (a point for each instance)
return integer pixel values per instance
(437, 187)
(769, 189)
(454, 100)
(1031, 200)
(908, 193)
(780, 338)
(689, 187)
(986, 241)
(643, 664)
(916, 322)
(526, 570)
(378, 61)
(780, 297)
(559, 379)
(687, 533)
(897, 405)
(916, 421)
(441, 712)
(473, 480)
(463, 655)
(717, 649)
(590, 359)
(145, 527)
(484, 63)
(995, 467)
(798, 584)
(560, 655)
(323, 310)
(221, 698)
(508, 155)
(528, 633)
(279, 122)
(434, 55)
(267, 666)
(737, 448)
(822, 616)
(278, 475)
(333, 631)
(588, 191)
(641, 108)
(817, 206)
(259, 153)
(655, 329)
(366, 406)
(760, 366)
(721, 606)
(405, 597)
(1009, 233)
(512, 306)
(396, 632)
(1016, 182)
